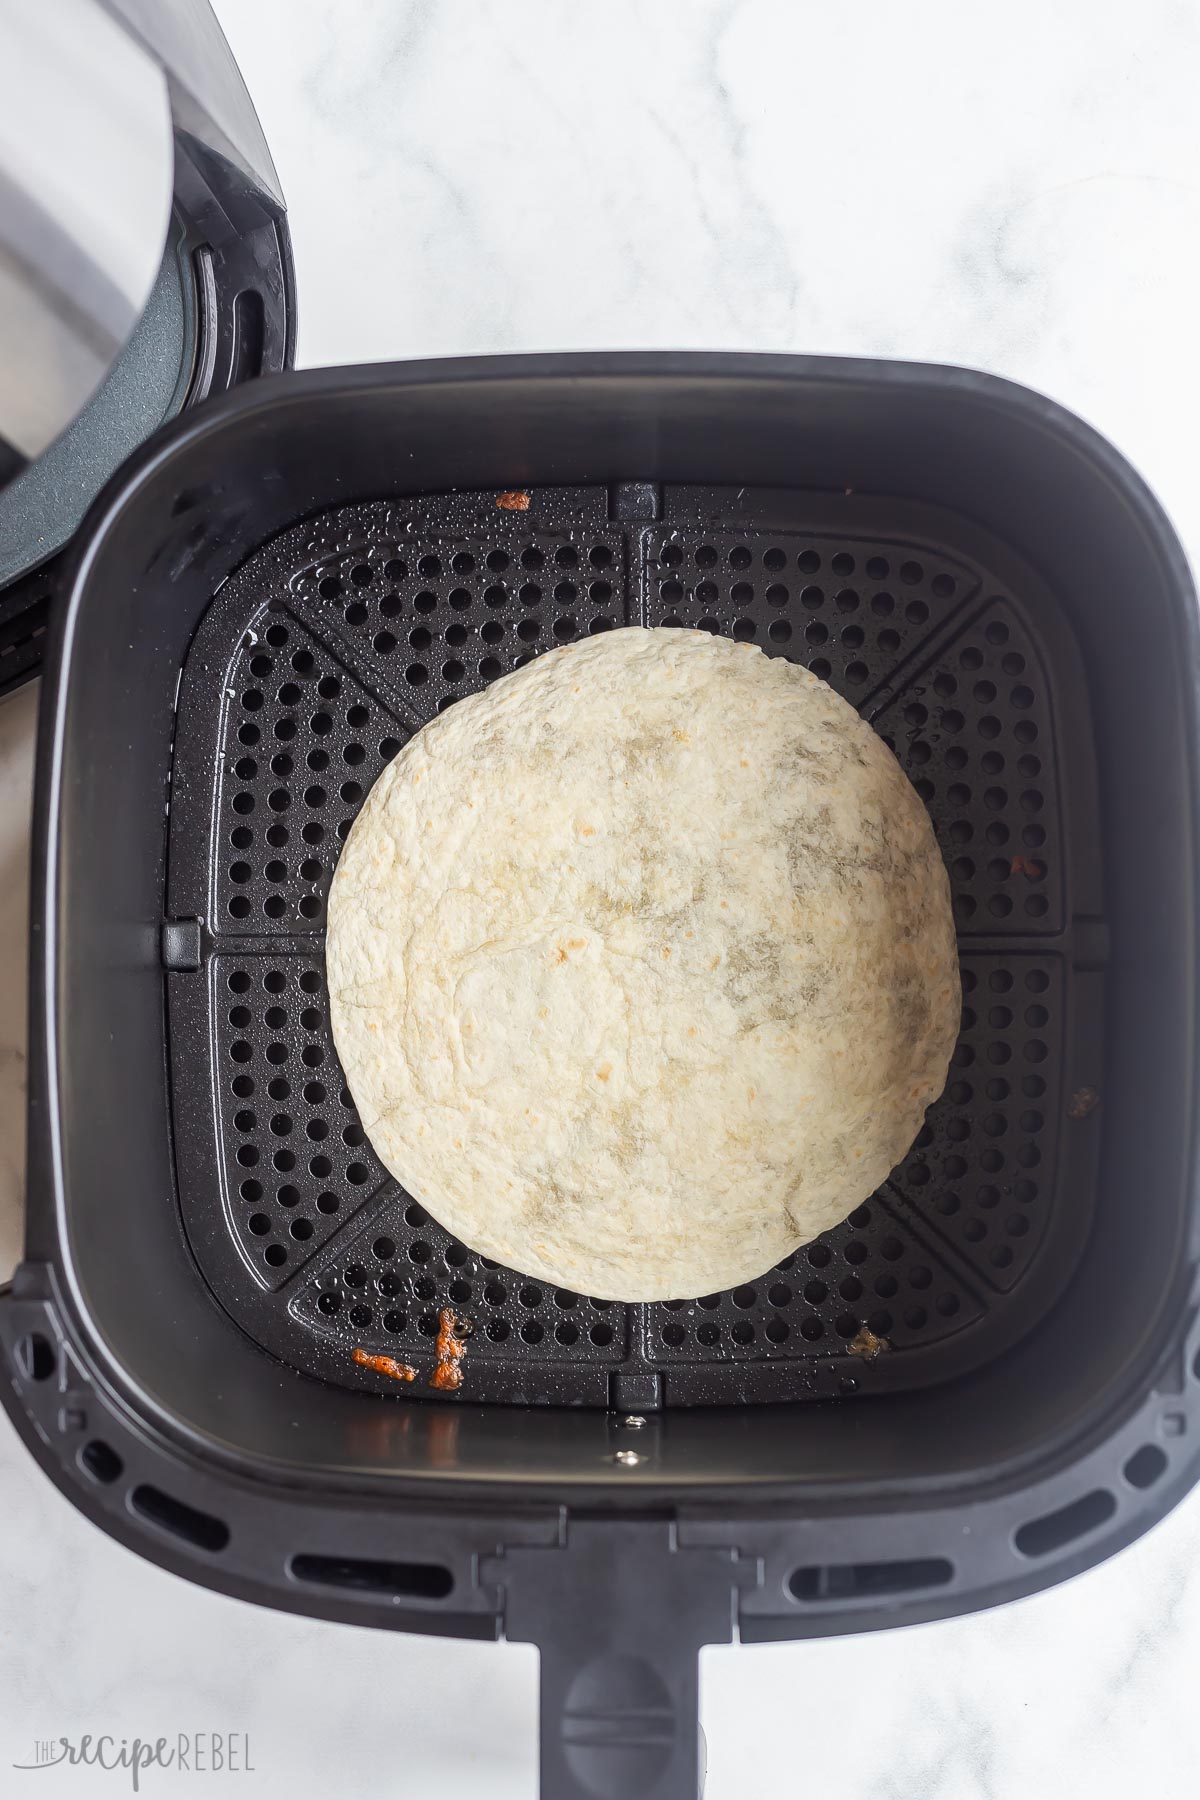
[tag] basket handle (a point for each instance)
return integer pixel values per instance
(619, 1611)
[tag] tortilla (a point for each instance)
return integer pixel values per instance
(642, 965)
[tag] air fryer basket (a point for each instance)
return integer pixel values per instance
(265, 605)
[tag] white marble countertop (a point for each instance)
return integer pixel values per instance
(1015, 188)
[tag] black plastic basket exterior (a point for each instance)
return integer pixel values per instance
(620, 1540)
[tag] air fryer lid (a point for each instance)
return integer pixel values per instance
(141, 309)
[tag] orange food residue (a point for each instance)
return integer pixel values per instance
(449, 1348)
(867, 1344)
(514, 501)
(385, 1365)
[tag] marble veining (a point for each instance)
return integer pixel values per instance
(1016, 189)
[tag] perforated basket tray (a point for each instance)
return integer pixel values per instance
(336, 641)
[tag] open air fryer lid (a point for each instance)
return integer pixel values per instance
(144, 263)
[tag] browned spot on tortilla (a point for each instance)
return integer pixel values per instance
(603, 1072)
(666, 949)
(561, 954)
(576, 943)
(513, 501)
(385, 1365)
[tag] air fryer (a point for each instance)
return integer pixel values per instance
(264, 603)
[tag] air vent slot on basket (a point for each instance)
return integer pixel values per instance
(869, 1581)
(1055, 1530)
(195, 1527)
(1145, 1466)
(412, 1581)
(35, 1357)
(101, 1462)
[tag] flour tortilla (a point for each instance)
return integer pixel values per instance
(642, 965)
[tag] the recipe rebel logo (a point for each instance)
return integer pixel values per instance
(191, 1753)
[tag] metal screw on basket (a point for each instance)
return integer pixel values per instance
(629, 1459)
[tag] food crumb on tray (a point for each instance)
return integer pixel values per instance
(867, 1344)
(385, 1365)
(1083, 1101)
(449, 1348)
(516, 500)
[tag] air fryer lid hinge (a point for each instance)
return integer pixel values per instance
(620, 1609)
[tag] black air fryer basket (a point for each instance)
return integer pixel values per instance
(267, 601)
